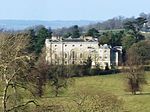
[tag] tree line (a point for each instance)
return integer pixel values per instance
(110, 24)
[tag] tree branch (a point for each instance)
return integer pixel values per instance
(22, 105)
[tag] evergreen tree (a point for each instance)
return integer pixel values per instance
(75, 32)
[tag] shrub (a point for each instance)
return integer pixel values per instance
(89, 101)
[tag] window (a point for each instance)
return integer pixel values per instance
(105, 56)
(73, 45)
(81, 45)
(73, 54)
(81, 55)
(65, 45)
(55, 45)
(106, 63)
(55, 56)
(65, 55)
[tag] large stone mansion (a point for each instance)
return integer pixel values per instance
(77, 51)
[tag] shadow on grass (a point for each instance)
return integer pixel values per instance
(138, 94)
(144, 93)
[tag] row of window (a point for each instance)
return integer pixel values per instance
(81, 45)
(72, 62)
(104, 57)
(81, 62)
(73, 55)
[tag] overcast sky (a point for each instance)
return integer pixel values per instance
(71, 9)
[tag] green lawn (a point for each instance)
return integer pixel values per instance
(110, 83)
(114, 84)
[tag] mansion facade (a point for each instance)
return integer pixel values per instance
(77, 50)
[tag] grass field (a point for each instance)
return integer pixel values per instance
(110, 83)
(114, 84)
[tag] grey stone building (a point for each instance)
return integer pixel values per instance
(77, 51)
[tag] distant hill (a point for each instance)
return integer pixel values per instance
(22, 24)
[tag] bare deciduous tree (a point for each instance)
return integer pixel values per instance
(60, 77)
(13, 69)
(138, 54)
